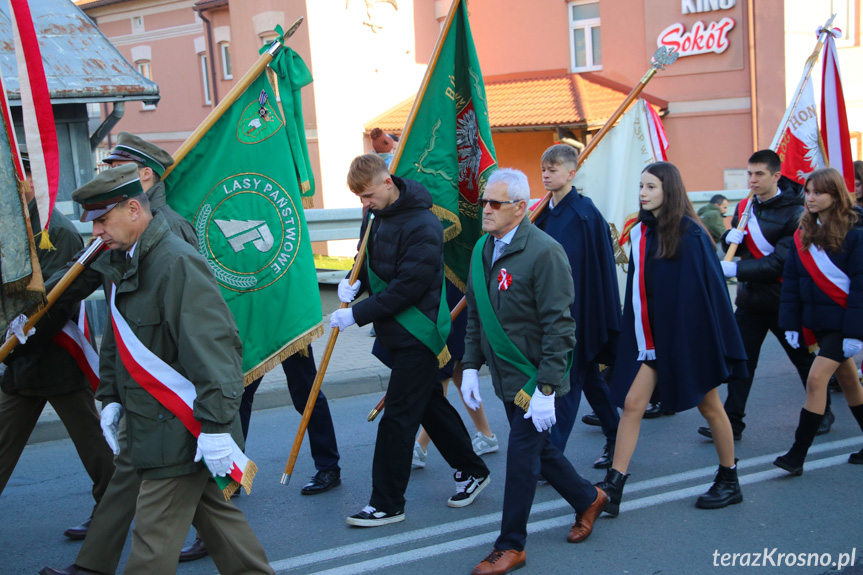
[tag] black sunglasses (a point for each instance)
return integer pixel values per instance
(495, 204)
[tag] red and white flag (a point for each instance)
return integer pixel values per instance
(800, 146)
(834, 121)
(39, 130)
(658, 139)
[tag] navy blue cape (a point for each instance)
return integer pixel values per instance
(584, 234)
(698, 345)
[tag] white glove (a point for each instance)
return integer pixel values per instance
(348, 292)
(541, 410)
(793, 339)
(16, 328)
(470, 388)
(851, 346)
(342, 318)
(734, 236)
(215, 448)
(729, 268)
(111, 415)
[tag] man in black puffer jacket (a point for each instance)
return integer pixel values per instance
(404, 272)
(762, 249)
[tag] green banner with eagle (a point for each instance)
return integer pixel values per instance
(239, 188)
(446, 144)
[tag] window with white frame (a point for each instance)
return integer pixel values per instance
(146, 71)
(268, 38)
(584, 36)
(225, 50)
(846, 20)
(205, 76)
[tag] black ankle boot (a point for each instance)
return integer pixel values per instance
(857, 458)
(613, 487)
(725, 490)
(792, 462)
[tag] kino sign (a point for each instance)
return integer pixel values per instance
(702, 38)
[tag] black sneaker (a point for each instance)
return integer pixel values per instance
(705, 431)
(466, 490)
(371, 517)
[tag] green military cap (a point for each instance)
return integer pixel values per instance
(106, 190)
(132, 148)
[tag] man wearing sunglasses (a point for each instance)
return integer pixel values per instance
(404, 273)
(519, 294)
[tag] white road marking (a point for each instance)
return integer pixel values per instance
(493, 519)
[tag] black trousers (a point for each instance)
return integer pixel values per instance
(753, 329)
(414, 397)
(528, 455)
(300, 371)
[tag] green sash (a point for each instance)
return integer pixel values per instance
(432, 335)
(500, 343)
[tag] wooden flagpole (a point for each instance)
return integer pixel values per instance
(662, 58)
(322, 369)
(94, 248)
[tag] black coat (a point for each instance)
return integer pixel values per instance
(759, 287)
(406, 251)
(805, 304)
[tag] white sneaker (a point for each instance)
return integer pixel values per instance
(483, 444)
(419, 458)
(467, 489)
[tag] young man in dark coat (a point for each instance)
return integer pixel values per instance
(404, 262)
(577, 225)
(762, 249)
(519, 324)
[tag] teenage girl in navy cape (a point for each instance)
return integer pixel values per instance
(678, 333)
(822, 289)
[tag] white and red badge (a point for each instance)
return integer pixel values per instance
(504, 280)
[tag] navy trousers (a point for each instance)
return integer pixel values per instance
(528, 455)
(596, 392)
(301, 371)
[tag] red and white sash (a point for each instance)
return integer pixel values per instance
(755, 241)
(176, 393)
(75, 338)
(826, 275)
(643, 335)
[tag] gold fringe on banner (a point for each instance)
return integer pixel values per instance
(454, 279)
(447, 216)
(305, 186)
(300, 343)
(308, 202)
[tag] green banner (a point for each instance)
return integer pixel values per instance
(447, 146)
(239, 187)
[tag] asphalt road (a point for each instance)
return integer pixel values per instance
(658, 531)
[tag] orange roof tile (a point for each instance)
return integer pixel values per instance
(536, 99)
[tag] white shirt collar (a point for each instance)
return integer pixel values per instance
(507, 239)
(131, 251)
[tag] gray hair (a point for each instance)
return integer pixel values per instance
(517, 187)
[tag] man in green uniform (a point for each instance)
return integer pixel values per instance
(164, 294)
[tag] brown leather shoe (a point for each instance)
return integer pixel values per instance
(500, 561)
(584, 520)
(70, 570)
(197, 550)
(79, 531)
